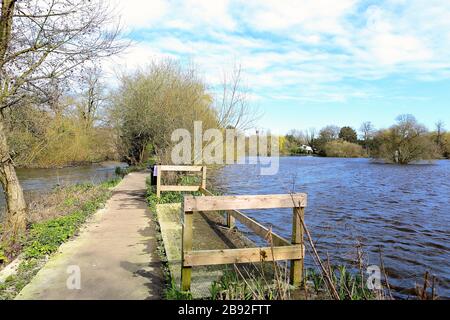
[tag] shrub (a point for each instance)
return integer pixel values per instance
(405, 142)
(447, 145)
(150, 104)
(343, 149)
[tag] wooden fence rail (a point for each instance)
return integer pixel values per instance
(282, 249)
(161, 188)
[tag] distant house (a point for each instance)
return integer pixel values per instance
(306, 149)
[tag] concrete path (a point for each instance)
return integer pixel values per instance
(115, 253)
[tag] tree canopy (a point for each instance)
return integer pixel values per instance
(348, 134)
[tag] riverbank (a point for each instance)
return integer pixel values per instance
(55, 217)
(35, 182)
(68, 164)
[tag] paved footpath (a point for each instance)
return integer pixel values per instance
(115, 253)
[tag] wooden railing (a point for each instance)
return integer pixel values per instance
(161, 168)
(281, 249)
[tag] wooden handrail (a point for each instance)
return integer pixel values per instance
(172, 168)
(281, 248)
(250, 223)
(244, 255)
(214, 203)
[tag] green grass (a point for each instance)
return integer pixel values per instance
(44, 238)
(172, 292)
(349, 285)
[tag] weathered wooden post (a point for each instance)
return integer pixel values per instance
(158, 181)
(186, 246)
(231, 221)
(296, 275)
(203, 178)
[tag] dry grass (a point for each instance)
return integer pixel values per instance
(60, 201)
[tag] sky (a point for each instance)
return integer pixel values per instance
(306, 63)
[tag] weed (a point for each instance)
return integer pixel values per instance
(173, 293)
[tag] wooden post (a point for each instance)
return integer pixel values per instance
(158, 181)
(296, 275)
(186, 245)
(231, 221)
(204, 177)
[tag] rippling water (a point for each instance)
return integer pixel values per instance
(36, 180)
(405, 210)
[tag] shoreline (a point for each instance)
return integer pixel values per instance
(70, 165)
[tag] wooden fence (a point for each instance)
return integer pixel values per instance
(281, 248)
(161, 168)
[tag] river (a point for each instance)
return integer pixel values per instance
(404, 210)
(37, 180)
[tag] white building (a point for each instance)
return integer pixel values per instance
(306, 149)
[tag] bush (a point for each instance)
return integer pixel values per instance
(150, 104)
(343, 149)
(39, 139)
(447, 145)
(405, 142)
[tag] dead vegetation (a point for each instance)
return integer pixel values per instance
(60, 201)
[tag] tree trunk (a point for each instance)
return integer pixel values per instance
(16, 209)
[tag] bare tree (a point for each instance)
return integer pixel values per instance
(43, 42)
(234, 108)
(440, 130)
(93, 97)
(329, 133)
(311, 137)
(367, 129)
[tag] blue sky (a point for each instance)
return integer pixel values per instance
(307, 63)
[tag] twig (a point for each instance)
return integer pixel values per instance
(423, 294)
(243, 278)
(331, 286)
(433, 289)
(385, 275)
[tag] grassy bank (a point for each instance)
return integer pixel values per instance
(54, 219)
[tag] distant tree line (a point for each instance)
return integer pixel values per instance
(404, 142)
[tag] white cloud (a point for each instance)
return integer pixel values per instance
(312, 16)
(392, 49)
(305, 49)
(138, 55)
(179, 14)
(141, 13)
